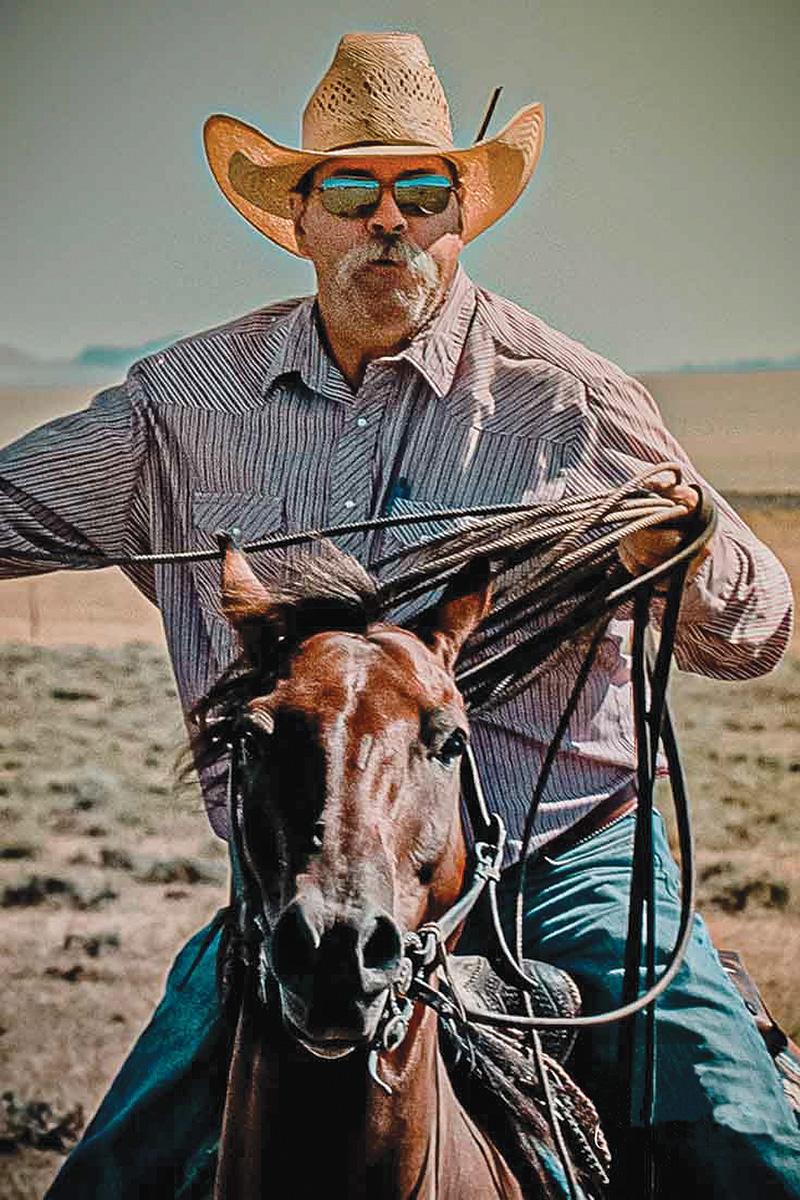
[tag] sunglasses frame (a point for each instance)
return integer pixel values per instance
(355, 183)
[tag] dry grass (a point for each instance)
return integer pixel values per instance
(87, 751)
(778, 526)
(741, 754)
(739, 429)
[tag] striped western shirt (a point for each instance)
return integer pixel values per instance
(253, 425)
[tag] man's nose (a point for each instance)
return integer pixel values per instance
(387, 217)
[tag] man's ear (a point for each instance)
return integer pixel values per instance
(297, 208)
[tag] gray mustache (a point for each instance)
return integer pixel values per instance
(389, 250)
(399, 252)
(394, 250)
(421, 267)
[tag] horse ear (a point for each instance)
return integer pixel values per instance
(248, 605)
(464, 605)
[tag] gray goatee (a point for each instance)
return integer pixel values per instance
(415, 301)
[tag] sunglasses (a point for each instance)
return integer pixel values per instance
(354, 197)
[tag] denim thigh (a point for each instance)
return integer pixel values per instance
(711, 1061)
(156, 1132)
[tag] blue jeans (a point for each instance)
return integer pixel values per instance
(720, 1114)
(723, 1128)
(155, 1134)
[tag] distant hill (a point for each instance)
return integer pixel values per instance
(10, 356)
(101, 364)
(739, 365)
(119, 357)
(95, 366)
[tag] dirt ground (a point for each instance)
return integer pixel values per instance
(107, 866)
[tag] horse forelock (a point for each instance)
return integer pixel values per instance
(328, 582)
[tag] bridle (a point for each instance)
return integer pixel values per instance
(424, 949)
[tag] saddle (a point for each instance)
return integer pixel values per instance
(497, 1079)
(501, 1068)
(553, 994)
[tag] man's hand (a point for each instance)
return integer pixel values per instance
(640, 552)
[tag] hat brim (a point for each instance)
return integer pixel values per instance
(257, 175)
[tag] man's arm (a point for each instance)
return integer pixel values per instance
(73, 485)
(736, 618)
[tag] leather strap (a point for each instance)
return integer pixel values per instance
(618, 804)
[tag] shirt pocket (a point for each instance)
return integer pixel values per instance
(255, 516)
(463, 466)
(507, 468)
(471, 468)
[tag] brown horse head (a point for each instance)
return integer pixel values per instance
(354, 731)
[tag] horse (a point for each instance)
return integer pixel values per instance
(345, 736)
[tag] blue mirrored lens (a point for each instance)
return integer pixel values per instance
(352, 196)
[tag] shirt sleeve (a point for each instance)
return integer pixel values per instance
(736, 617)
(73, 486)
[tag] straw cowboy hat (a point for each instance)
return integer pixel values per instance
(380, 96)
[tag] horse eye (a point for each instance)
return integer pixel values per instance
(453, 748)
(425, 874)
(318, 835)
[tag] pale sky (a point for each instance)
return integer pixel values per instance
(661, 227)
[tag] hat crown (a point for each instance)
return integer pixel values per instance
(380, 89)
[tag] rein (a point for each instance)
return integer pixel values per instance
(566, 564)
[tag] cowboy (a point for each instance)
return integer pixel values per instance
(401, 386)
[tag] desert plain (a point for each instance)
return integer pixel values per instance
(107, 864)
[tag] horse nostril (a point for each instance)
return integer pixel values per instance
(293, 949)
(383, 947)
(302, 957)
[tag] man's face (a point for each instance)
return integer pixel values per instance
(386, 271)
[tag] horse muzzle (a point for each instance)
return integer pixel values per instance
(334, 977)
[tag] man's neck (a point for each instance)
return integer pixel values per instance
(353, 345)
(352, 357)
(353, 351)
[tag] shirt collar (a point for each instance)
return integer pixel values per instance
(437, 348)
(295, 346)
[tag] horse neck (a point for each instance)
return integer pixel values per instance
(443, 1154)
(333, 1131)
